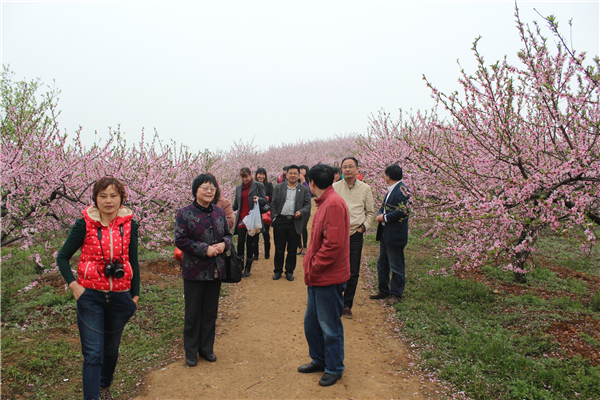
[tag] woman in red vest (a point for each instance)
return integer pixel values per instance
(107, 287)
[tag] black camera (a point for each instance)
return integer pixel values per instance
(114, 269)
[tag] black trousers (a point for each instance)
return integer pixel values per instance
(356, 246)
(303, 238)
(267, 238)
(201, 309)
(245, 239)
(284, 234)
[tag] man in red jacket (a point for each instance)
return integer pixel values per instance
(326, 271)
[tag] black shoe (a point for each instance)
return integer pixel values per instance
(247, 269)
(191, 363)
(378, 296)
(210, 357)
(276, 276)
(310, 368)
(267, 255)
(289, 277)
(329, 379)
(255, 257)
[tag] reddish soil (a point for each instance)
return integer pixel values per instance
(569, 334)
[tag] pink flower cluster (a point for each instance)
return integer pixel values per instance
(515, 152)
(47, 181)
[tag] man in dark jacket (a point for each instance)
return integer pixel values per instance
(392, 232)
(326, 271)
(289, 208)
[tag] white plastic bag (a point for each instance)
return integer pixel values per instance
(253, 220)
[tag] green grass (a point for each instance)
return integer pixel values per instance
(41, 355)
(491, 345)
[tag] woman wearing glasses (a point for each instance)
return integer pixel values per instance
(202, 233)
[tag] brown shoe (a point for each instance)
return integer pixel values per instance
(378, 296)
(394, 300)
(347, 313)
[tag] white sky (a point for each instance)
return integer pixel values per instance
(208, 73)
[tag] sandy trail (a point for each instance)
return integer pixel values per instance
(260, 343)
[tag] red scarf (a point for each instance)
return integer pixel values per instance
(245, 207)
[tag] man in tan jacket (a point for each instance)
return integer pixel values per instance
(359, 199)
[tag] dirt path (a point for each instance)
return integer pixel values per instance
(260, 343)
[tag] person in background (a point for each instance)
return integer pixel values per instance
(303, 242)
(392, 234)
(202, 234)
(289, 208)
(246, 194)
(282, 178)
(261, 176)
(107, 288)
(337, 174)
(224, 203)
(359, 199)
(326, 271)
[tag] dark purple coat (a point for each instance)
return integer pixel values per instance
(194, 232)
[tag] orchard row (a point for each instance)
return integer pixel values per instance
(513, 153)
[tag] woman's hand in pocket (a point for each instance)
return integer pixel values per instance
(77, 289)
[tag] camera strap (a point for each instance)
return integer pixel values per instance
(121, 233)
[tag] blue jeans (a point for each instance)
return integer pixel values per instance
(101, 317)
(391, 258)
(323, 327)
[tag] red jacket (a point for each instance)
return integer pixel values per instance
(327, 261)
(90, 270)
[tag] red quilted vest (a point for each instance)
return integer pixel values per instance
(90, 271)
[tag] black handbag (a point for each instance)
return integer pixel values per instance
(233, 267)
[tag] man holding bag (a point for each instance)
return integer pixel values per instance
(289, 208)
(247, 194)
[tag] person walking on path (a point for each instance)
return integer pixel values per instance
(289, 208)
(392, 234)
(261, 176)
(359, 199)
(246, 194)
(326, 271)
(107, 288)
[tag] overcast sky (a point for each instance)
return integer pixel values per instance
(208, 73)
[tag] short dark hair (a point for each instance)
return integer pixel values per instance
(261, 170)
(286, 168)
(394, 171)
(106, 181)
(293, 166)
(336, 170)
(245, 171)
(200, 179)
(350, 158)
(321, 175)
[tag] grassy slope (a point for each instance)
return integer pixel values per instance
(489, 345)
(497, 345)
(44, 360)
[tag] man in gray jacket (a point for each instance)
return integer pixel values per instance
(289, 208)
